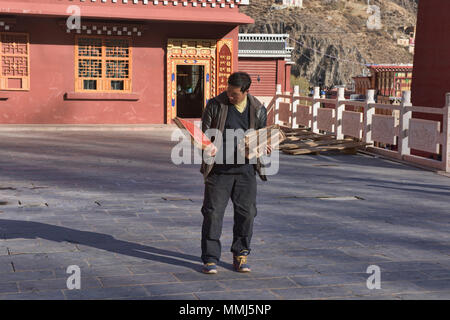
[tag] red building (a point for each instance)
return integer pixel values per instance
(267, 58)
(432, 56)
(128, 62)
(431, 80)
(388, 81)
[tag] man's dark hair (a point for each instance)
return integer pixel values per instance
(241, 80)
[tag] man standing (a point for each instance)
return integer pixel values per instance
(226, 177)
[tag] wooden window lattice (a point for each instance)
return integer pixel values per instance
(103, 64)
(14, 61)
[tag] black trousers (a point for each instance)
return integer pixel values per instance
(219, 188)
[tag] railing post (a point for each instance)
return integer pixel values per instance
(446, 133)
(369, 111)
(315, 108)
(277, 104)
(340, 107)
(289, 100)
(405, 117)
(295, 105)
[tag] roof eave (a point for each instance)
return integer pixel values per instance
(133, 13)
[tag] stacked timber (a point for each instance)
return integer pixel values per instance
(255, 142)
(303, 141)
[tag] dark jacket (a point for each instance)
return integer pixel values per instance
(215, 115)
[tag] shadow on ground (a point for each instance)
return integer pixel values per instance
(13, 229)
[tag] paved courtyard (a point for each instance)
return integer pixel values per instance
(112, 203)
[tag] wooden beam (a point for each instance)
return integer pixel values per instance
(325, 148)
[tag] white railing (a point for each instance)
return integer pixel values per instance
(399, 129)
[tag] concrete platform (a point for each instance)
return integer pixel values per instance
(112, 203)
(84, 127)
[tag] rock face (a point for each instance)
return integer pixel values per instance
(331, 37)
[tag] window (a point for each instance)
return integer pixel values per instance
(103, 64)
(14, 61)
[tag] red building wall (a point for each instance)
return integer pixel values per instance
(52, 63)
(266, 70)
(431, 76)
(271, 71)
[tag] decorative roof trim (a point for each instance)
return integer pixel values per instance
(6, 24)
(262, 37)
(183, 3)
(199, 11)
(106, 28)
(265, 38)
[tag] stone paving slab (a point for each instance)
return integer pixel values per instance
(112, 203)
(45, 295)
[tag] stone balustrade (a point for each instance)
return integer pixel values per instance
(400, 129)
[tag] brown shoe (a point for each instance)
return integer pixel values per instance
(240, 262)
(209, 268)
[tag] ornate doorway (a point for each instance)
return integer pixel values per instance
(190, 91)
(191, 76)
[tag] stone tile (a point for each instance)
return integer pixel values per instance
(222, 274)
(5, 265)
(403, 275)
(306, 260)
(266, 283)
(142, 279)
(45, 247)
(106, 293)
(55, 284)
(425, 296)
(26, 275)
(8, 287)
(44, 261)
(328, 292)
(157, 267)
(402, 254)
(437, 274)
(330, 269)
(189, 287)
(444, 263)
(274, 271)
(186, 296)
(434, 285)
(326, 280)
(387, 287)
(170, 260)
(47, 295)
(411, 265)
(237, 295)
(372, 297)
(96, 271)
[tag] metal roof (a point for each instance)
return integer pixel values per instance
(255, 45)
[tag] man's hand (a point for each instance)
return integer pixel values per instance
(211, 150)
(269, 149)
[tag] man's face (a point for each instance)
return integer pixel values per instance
(235, 95)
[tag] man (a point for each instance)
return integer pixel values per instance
(234, 109)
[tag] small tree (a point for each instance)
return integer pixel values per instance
(302, 82)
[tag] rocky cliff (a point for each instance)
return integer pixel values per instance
(333, 39)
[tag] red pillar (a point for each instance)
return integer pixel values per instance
(280, 74)
(431, 74)
(288, 77)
